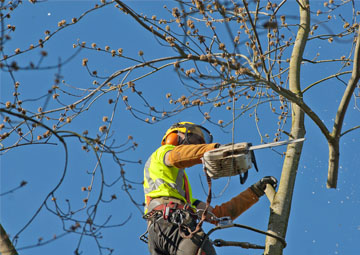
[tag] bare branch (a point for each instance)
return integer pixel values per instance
(135, 16)
(334, 150)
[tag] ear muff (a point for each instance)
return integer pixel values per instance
(172, 138)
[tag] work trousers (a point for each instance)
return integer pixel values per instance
(165, 239)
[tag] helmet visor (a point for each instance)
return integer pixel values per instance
(197, 134)
(208, 138)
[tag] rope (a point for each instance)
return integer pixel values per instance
(203, 216)
(245, 245)
(282, 240)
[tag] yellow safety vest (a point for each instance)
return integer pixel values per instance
(161, 180)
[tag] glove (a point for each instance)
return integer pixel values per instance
(259, 187)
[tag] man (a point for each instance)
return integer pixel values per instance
(169, 206)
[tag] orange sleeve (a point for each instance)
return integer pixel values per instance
(187, 155)
(236, 205)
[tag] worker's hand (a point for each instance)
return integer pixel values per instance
(260, 186)
(201, 207)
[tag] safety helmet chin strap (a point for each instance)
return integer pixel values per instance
(183, 140)
(180, 139)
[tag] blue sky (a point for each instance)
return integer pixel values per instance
(322, 221)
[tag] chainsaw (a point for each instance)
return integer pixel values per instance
(236, 159)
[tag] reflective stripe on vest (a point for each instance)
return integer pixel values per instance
(154, 185)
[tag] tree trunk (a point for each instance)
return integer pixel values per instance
(6, 247)
(281, 205)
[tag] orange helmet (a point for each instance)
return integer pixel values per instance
(190, 130)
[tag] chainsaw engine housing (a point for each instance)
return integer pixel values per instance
(228, 160)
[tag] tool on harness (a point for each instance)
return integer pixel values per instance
(152, 214)
(144, 237)
(166, 212)
(224, 221)
(236, 159)
(180, 217)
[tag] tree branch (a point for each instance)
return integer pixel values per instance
(334, 150)
(133, 14)
(325, 79)
(349, 130)
(291, 96)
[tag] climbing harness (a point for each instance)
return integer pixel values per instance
(178, 214)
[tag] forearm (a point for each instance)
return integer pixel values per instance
(236, 205)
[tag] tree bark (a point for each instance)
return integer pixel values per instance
(6, 247)
(281, 205)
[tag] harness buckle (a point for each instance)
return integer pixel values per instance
(178, 217)
(166, 212)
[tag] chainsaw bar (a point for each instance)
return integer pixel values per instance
(274, 144)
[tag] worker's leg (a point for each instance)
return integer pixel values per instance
(192, 246)
(163, 238)
(153, 241)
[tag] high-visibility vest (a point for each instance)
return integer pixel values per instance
(161, 180)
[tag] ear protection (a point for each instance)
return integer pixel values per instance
(172, 138)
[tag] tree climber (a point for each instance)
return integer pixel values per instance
(170, 209)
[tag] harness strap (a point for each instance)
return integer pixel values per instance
(172, 205)
(187, 193)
